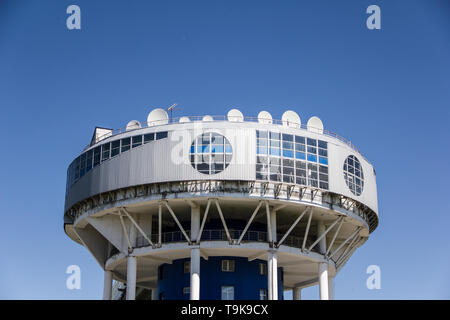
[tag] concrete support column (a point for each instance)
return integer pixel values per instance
(272, 275)
(323, 267)
(323, 280)
(107, 285)
(131, 278)
(272, 260)
(195, 274)
(331, 288)
(195, 253)
(154, 294)
(297, 293)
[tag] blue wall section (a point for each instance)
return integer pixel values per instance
(246, 279)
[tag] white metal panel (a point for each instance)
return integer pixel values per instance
(168, 160)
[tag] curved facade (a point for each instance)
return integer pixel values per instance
(300, 198)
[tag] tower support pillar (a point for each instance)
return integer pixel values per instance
(107, 285)
(331, 288)
(131, 278)
(297, 293)
(272, 260)
(195, 253)
(323, 280)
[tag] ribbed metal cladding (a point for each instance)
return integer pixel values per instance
(160, 161)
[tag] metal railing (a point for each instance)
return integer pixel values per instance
(220, 235)
(222, 118)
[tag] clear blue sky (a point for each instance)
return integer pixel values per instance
(387, 90)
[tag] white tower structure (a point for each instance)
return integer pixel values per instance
(187, 208)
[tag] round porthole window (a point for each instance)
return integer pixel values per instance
(353, 175)
(210, 153)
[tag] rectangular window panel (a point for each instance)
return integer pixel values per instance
(275, 177)
(323, 169)
(288, 153)
(187, 267)
(89, 158)
(261, 142)
(323, 185)
(97, 151)
(288, 137)
(313, 183)
(288, 171)
(137, 141)
(77, 168)
(288, 163)
(228, 265)
(217, 158)
(161, 135)
(322, 144)
(312, 158)
(300, 155)
(261, 134)
(115, 148)
(125, 146)
(312, 150)
(288, 145)
(261, 176)
(227, 293)
(275, 143)
(300, 173)
(323, 160)
(300, 147)
(275, 152)
(323, 152)
(300, 165)
(217, 139)
(275, 135)
(261, 150)
(262, 294)
(203, 166)
(105, 151)
(312, 142)
(299, 139)
(83, 164)
(217, 167)
(262, 160)
(288, 179)
(274, 161)
(301, 181)
(261, 168)
(217, 149)
(275, 169)
(149, 137)
(262, 269)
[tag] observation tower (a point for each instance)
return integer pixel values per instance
(220, 207)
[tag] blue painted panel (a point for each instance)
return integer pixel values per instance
(246, 279)
(312, 158)
(300, 155)
(323, 160)
(288, 153)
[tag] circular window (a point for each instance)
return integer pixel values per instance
(353, 175)
(210, 153)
